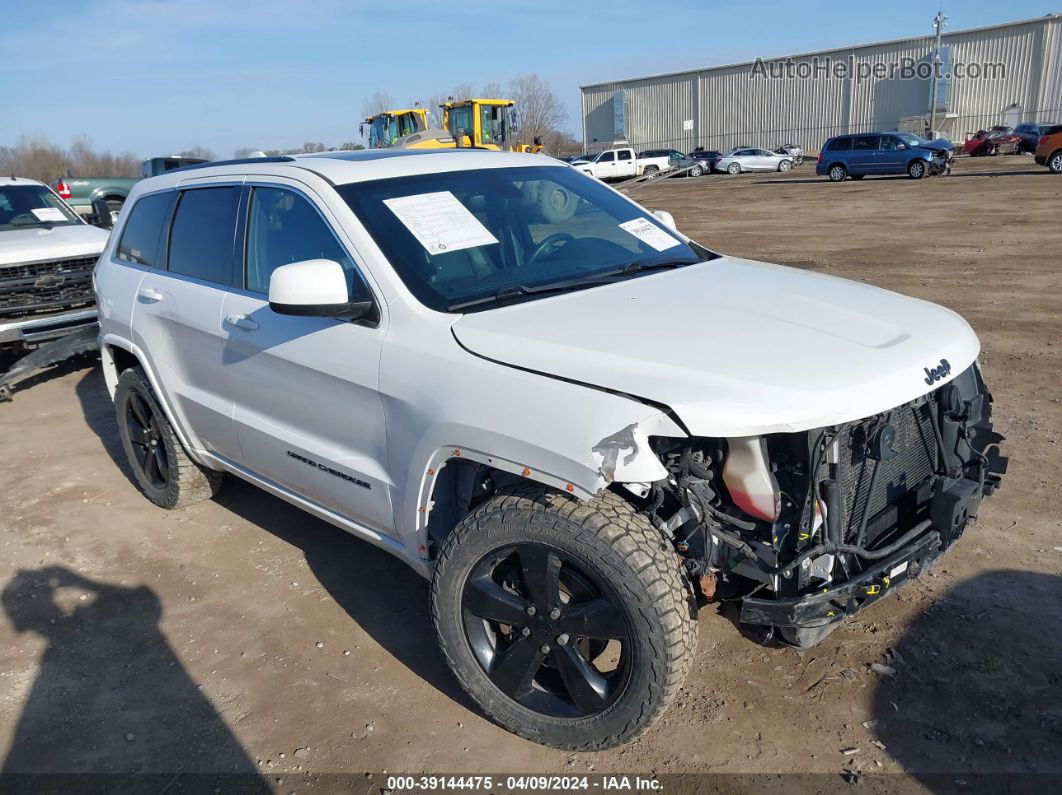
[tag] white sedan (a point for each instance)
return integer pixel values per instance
(753, 160)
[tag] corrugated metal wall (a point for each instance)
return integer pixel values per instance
(729, 109)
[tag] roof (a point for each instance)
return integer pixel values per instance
(796, 56)
(353, 166)
(4, 181)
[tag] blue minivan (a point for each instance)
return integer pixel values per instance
(856, 156)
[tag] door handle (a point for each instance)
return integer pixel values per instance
(242, 321)
(149, 296)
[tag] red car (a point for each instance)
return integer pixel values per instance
(999, 140)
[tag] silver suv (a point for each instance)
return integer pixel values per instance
(582, 426)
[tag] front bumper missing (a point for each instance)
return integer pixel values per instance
(830, 605)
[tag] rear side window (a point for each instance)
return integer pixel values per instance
(839, 145)
(283, 227)
(865, 142)
(143, 230)
(203, 231)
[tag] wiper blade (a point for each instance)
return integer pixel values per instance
(520, 290)
(506, 294)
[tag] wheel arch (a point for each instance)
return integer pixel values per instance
(117, 355)
(449, 481)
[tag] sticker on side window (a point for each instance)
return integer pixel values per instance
(440, 222)
(48, 214)
(648, 232)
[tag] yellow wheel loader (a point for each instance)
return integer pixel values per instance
(481, 123)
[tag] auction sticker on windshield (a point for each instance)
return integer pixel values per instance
(440, 222)
(648, 232)
(48, 214)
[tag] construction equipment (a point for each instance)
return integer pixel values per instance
(486, 123)
(390, 127)
(483, 123)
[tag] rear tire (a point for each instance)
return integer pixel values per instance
(650, 170)
(623, 583)
(917, 169)
(1054, 162)
(161, 466)
(837, 173)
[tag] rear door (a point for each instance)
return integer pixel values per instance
(863, 158)
(308, 415)
(177, 315)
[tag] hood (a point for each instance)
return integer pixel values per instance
(59, 242)
(735, 347)
(939, 144)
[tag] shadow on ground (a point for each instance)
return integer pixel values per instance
(977, 694)
(382, 595)
(110, 696)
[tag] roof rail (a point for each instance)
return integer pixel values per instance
(238, 162)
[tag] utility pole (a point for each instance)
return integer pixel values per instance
(938, 22)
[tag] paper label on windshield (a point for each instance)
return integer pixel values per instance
(648, 232)
(48, 214)
(440, 222)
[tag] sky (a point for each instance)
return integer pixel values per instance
(158, 76)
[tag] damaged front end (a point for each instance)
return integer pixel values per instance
(806, 528)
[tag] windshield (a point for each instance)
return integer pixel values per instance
(461, 119)
(911, 139)
(491, 235)
(24, 206)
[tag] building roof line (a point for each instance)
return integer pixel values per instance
(1051, 17)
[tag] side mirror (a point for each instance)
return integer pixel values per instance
(667, 219)
(101, 214)
(314, 288)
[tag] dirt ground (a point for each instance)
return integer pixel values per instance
(243, 635)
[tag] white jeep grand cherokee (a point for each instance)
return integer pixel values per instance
(580, 430)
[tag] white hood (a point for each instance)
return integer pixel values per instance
(735, 347)
(60, 242)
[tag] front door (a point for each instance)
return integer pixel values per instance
(177, 314)
(307, 412)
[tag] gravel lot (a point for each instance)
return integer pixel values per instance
(243, 635)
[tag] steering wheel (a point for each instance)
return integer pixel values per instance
(549, 242)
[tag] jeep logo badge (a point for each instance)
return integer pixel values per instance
(937, 373)
(49, 280)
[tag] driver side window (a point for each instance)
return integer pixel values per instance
(607, 157)
(283, 227)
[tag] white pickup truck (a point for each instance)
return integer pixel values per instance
(621, 164)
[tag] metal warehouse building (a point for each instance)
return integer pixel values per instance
(1004, 74)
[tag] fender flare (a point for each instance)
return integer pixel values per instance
(109, 192)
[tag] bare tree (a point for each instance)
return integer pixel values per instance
(539, 110)
(244, 152)
(379, 101)
(34, 156)
(350, 146)
(200, 152)
(492, 90)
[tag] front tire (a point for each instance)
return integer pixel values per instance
(568, 622)
(785, 165)
(1054, 162)
(161, 467)
(733, 169)
(696, 171)
(917, 169)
